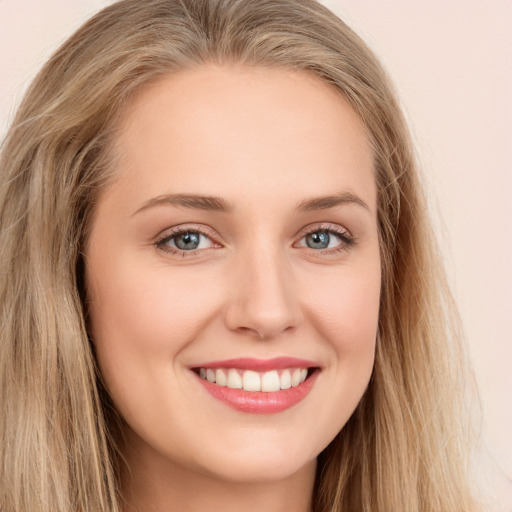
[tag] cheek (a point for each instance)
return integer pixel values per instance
(142, 317)
(345, 307)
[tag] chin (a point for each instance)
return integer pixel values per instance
(261, 462)
(263, 470)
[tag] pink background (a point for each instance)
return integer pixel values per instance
(452, 65)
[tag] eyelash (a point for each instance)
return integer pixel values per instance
(161, 242)
(346, 239)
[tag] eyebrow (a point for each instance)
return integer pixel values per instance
(197, 202)
(212, 203)
(326, 202)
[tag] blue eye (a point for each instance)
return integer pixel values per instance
(318, 240)
(322, 239)
(187, 241)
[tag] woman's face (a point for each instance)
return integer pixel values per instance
(238, 244)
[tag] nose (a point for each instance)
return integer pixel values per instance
(263, 300)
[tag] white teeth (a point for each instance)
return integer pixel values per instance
(296, 377)
(220, 378)
(270, 381)
(234, 379)
(286, 380)
(251, 381)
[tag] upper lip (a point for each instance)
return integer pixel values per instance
(260, 365)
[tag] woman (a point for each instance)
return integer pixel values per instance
(219, 287)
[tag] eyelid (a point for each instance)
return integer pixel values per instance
(346, 238)
(169, 233)
(325, 226)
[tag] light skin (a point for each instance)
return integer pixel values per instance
(287, 161)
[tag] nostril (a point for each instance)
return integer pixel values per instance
(263, 304)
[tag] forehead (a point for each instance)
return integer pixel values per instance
(222, 130)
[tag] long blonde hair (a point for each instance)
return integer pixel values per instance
(404, 448)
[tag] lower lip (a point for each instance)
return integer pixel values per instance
(259, 402)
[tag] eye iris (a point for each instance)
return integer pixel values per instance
(187, 241)
(318, 240)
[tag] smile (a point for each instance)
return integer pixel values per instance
(249, 380)
(258, 386)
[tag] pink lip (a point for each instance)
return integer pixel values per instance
(260, 365)
(259, 402)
